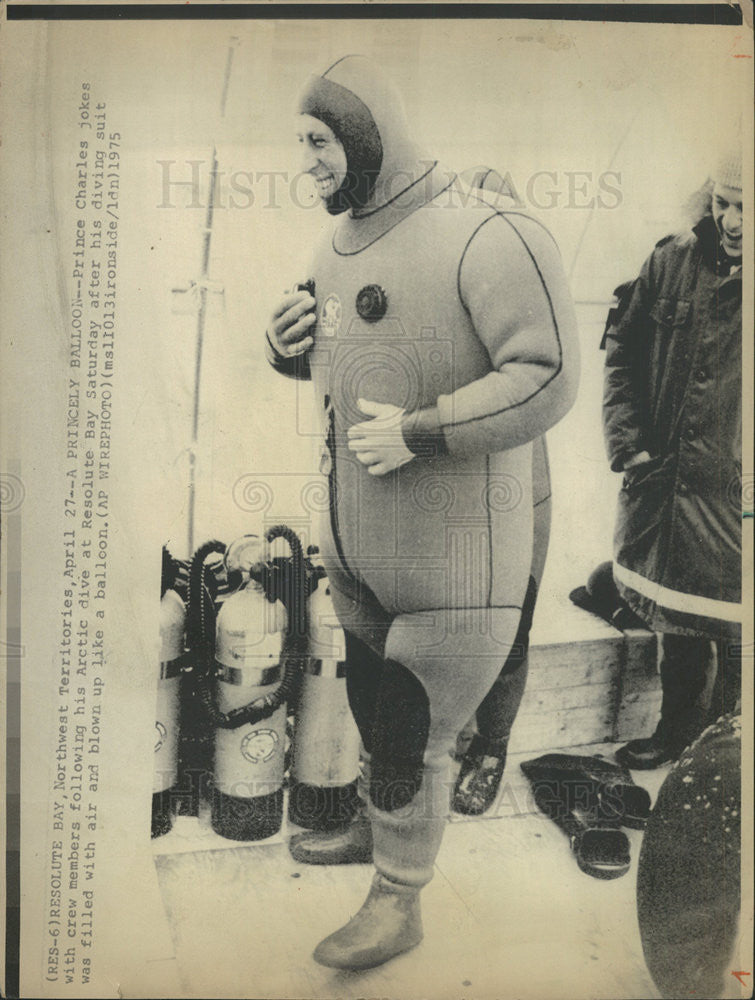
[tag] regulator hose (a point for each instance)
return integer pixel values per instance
(292, 591)
(200, 619)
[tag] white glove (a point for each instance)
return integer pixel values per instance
(379, 443)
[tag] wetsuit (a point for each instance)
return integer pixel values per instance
(457, 311)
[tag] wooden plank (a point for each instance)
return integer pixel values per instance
(571, 664)
(561, 729)
(541, 700)
(589, 690)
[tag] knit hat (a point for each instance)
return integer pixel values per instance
(727, 169)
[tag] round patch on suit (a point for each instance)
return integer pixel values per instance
(330, 320)
(372, 303)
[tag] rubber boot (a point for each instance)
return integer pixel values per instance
(388, 924)
(647, 754)
(349, 845)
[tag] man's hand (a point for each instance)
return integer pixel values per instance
(379, 443)
(291, 322)
(639, 459)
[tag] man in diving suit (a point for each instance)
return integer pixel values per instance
(440, 342)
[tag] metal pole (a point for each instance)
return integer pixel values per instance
(202, 312)
(201, 316)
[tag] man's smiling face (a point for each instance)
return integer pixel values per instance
(323, 155)
(727, 213)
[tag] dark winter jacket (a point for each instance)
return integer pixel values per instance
(673, 388)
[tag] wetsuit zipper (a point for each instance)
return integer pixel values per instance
(330, 441)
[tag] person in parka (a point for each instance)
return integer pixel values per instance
(440, 342)
(672, 413)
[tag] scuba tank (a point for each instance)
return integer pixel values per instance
(263, 639)
(245, 679)
(325, 753)
(172, 621)
(247, 793)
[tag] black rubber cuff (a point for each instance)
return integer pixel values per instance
(422, 433)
